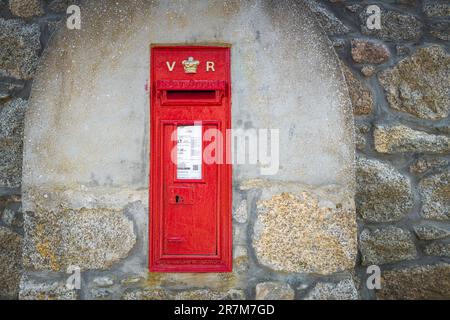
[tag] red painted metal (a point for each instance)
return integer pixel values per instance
(190, 220)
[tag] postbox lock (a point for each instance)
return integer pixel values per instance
(181, 195)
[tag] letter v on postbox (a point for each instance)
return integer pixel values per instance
(190, 198)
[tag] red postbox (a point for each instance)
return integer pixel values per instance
(190, 198)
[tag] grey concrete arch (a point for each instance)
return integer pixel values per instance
(88, 117)
(87, 128)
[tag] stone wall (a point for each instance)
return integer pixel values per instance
(398, 79)
(24, 31)
(399, 82)
(85, 199)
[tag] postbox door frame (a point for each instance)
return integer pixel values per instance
(220, 115)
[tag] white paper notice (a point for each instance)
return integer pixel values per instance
(189, 152)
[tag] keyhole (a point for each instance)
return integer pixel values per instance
(177, 198)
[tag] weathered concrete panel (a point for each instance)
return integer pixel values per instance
(94, 129)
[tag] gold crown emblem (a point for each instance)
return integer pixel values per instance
(190, 65)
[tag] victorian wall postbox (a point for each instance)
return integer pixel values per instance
(190, 198)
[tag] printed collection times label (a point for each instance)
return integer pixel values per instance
(189, 152)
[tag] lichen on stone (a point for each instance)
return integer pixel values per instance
(395, 26)
(435, 193)
(10, 263)
(416, 283)
(198, 294)
(398, 138)
(360, 95)
(11, 164)
(420, 84)
(207, 294)
(386, 245)
(19, 49)
(26, 8)
(87, 238)
(431, 232)
(12, 117)
(294, 234)
(426, 163)
(383, 194)
(438, 249)
(31, 289)
(273, 290)
(342, 290)
(366, 51)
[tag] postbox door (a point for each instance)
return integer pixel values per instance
(190, 212)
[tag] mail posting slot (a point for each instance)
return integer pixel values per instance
(190, 196)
